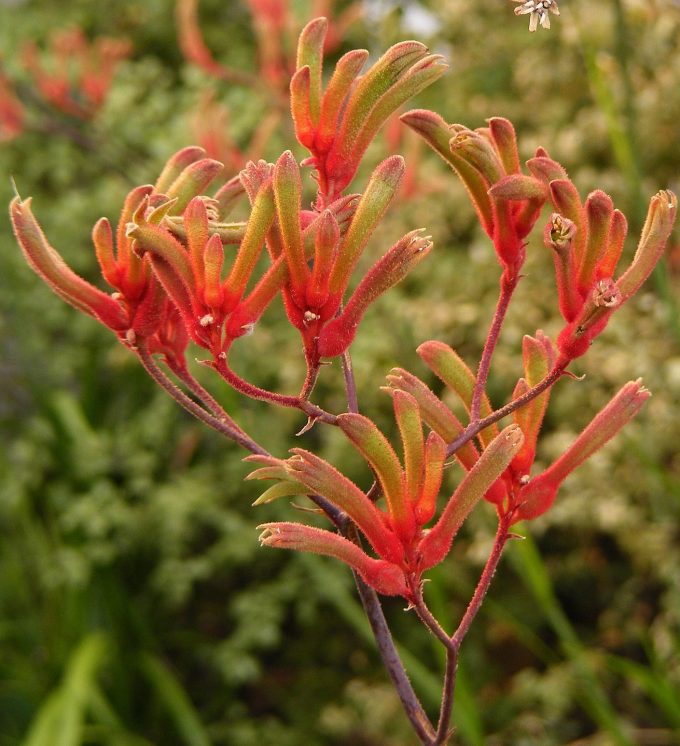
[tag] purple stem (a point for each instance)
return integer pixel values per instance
(350, 383)
(395, 668)
(374, 612)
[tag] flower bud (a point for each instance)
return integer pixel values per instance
(375, 448)
(384, 577)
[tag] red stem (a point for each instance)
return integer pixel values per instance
(255, 392)
(459, 635)
(499, 543)
(452, 643)
(508, 283)
(214, 421)
(475, 427)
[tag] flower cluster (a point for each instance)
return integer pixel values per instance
(516, 493)
(396, 534)
(181, 272)
(508, 202)
(173, 277)
(337, 124)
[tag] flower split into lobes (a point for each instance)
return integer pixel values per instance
(397, 534)
(508, 202)
(337, 124)
(586, 243)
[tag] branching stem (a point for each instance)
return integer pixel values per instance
(475, 427)
(255, 392)
(216, 422)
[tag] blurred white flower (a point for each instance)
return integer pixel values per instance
(539, 10)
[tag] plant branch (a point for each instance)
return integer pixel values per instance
(485, 579)
(428, 619)
(255, 392)
(215, 422)
(395, 668)
(446, 707)
(202, 394)
(453, 643)
(475, 427)
(350, 382)
(508, 283)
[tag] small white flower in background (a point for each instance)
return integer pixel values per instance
(539, 10)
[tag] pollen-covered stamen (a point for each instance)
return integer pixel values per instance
(562, 230)
(206, 320)
(606, 293)
(310, 317)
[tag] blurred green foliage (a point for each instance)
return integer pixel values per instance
(135, 605)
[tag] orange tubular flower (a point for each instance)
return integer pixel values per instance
(314, 295)
(396, 535)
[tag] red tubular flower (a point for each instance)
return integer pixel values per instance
(153, 307)
(338, 124)
(48, 264)
(396, 535)
(11, 111)
(190, 269)
(539, 359)
(514, 491)
(210, 122)
(191, 40)
(271, 21)
(386, 577)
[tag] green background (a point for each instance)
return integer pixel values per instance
(136, 607)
